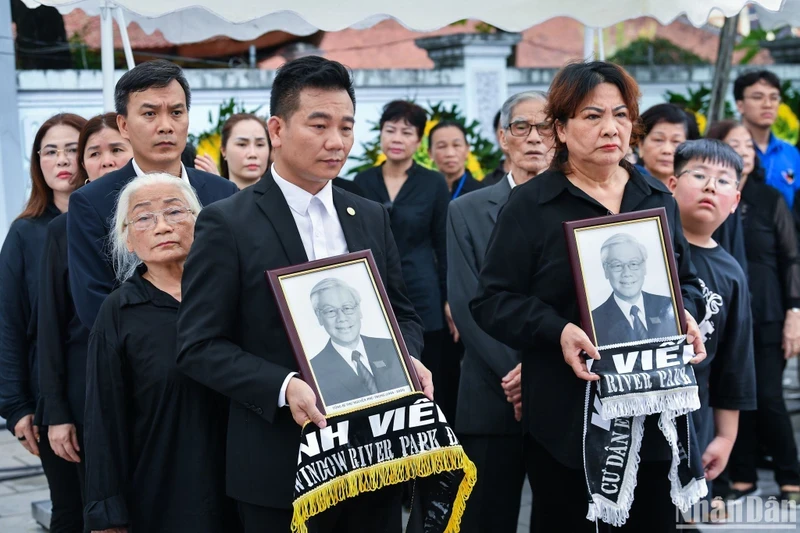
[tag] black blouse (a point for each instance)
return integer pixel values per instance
(772, 257)
(19, 290)
(62, 338)
(526, 296)
(154, 438)
(418, 216)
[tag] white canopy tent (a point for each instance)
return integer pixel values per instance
(183, 21)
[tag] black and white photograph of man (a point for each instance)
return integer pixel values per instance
(630, 312)
(351, 365)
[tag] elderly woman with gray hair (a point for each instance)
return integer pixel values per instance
(154, 439)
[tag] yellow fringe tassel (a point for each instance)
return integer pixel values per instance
(390, 473)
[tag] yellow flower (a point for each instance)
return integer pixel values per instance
(210, 146)
(380, 159)
(701, 122)
(429, 126)
(474, 166)
(786, 126)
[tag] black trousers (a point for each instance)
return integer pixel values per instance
(770, 423)
(443, 357)
(66, 481)
(373, 512)
(560, 500)
(494, 503)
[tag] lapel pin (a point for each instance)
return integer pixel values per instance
(351, 211)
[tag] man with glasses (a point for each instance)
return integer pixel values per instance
(758, 96)
(489, 401)
(351, 365)
(630, 314)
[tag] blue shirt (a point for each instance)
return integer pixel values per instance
(781, 164)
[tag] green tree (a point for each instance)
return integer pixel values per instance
(658, 51)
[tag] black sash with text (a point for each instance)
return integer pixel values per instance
(406, 438)
(636, 380)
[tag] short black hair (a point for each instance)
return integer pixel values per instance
(151, 74)
(709, 151)
(669, 113)
(406, 111)
(751, 77)
(496, 121)
(692, 127)
(309, 72)
(446, 124)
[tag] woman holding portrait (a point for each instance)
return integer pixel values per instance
(155, 439)
(526, 301)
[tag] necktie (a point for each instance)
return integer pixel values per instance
(639, 331)
(365, 375)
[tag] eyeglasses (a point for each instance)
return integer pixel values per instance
(760, 97)
(172, 216)
(331, 312)
(522, 128)
(617, 266)
(52, 153)
(722, 183)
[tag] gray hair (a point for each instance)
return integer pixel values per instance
(621, 238)
(508, 106)
(125, 262)
(331, 283)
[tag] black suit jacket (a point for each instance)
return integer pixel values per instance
(230, 333)
(339, 383)
(612, 326)
(91, 209)
(482, 408)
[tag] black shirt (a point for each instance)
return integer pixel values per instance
(418, 216)
(154, 438)
(730, 235)
(772, 257)
(726, 377)
(62, 338)
(526, 296)
(465, 184)
(19, 290)
(495, 175)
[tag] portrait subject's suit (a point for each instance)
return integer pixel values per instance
(338, 381)
(485, 420)
(612, 326)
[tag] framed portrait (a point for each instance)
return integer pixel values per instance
(343, 331)
(625, 277)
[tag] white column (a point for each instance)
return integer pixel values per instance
(588, 43)
(12, 174)
(107, 55)
(483, 58)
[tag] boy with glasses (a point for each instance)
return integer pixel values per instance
(705, 185)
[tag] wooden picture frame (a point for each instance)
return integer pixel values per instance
(620, 238)
(329, 303)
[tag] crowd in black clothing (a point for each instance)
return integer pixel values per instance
(135, 313)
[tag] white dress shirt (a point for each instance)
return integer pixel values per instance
(315, 217)
(320, 230)
(347, 355)
(626, 309)
(511, 180)
(140, 172)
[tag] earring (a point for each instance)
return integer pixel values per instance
(86, 181)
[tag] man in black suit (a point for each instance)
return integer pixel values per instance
(490, 374)
(152, 103)
(630, 314)
(230, 333)
(350, 365)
